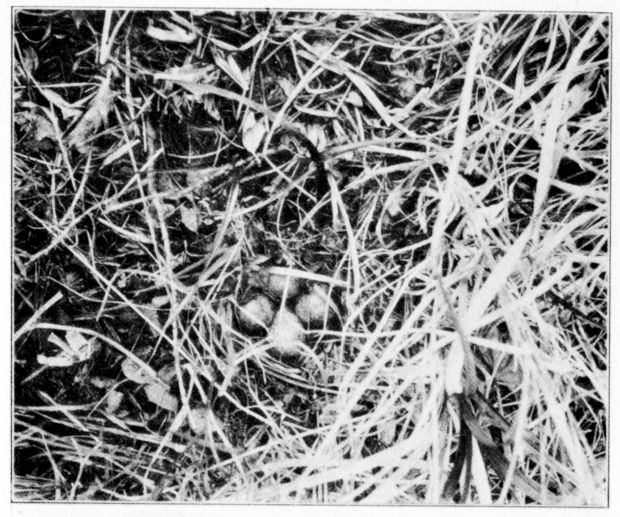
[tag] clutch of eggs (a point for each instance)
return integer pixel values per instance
(286, 328)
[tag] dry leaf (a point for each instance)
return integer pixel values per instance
(199, 419)
(196, 178)
(82, 348)
(354, 98)
(151, 315)
(370, 96)
(286, 85)
(30, 60)
(134, 372)
(90, 492)
(40, 126)
(189, 217)
(211, 108)
(241, 77)
(159, 395)
(119, 152)
(69, 111)
(230, 67)
(394, 201)
(198, 75)
(159, 301)
(173, 33)
(101, 382)
(113, 401)
(316, 135)
(94, 117)
(167, 373)
(74, 349)
(61, 360)
(252, 132)
(485, 217)
(407, 87)
(388, 433)
(575, 99)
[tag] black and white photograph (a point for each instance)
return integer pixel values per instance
(310, 256)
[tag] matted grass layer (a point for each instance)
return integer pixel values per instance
(465, 250)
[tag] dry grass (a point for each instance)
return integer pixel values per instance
(467, 250)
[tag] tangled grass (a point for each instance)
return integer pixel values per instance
(466, 247)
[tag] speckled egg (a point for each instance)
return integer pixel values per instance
(286, 334)
(256, 314)
(314, 307)
(280, 285)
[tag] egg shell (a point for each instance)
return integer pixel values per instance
(256, 314)
(278, 283)
(314, 307)
(287, 333)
